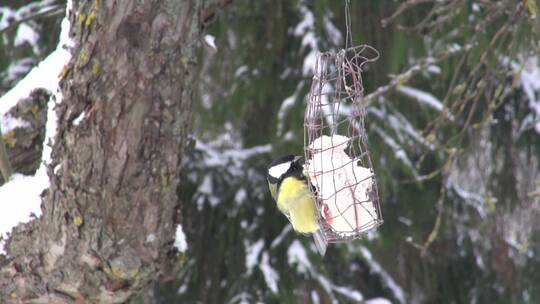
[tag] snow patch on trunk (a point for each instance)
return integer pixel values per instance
(21, 196)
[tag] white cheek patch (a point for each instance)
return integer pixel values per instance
(278, 170)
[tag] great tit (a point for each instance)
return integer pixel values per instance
(289, 188)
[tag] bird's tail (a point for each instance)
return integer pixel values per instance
(320, 241)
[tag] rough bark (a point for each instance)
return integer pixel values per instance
(24, 145)
(109, 216)
(5, 165)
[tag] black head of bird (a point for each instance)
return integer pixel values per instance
(281, 168)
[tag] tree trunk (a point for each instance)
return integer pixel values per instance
(110, 214)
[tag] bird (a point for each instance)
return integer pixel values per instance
(290, 189)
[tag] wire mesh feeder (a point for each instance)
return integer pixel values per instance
(338, 164)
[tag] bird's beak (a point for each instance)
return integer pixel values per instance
(297, 158)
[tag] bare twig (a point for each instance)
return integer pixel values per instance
(436, 227)
(402, 8)
(473, 80)
(414, 70)
(53, 11)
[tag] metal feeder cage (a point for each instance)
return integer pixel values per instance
(338, 164)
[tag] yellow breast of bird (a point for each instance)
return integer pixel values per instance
(296, 200)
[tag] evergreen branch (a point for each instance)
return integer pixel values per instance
(53, 11)
(412, 71)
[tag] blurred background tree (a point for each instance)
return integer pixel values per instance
(453, 124)
(29, 31)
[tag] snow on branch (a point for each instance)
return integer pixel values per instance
(528, 72)
(385, 277)
(21, 196)
(404, 77)
(11, 18)
(422, 97)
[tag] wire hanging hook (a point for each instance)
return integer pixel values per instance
(348, 33)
